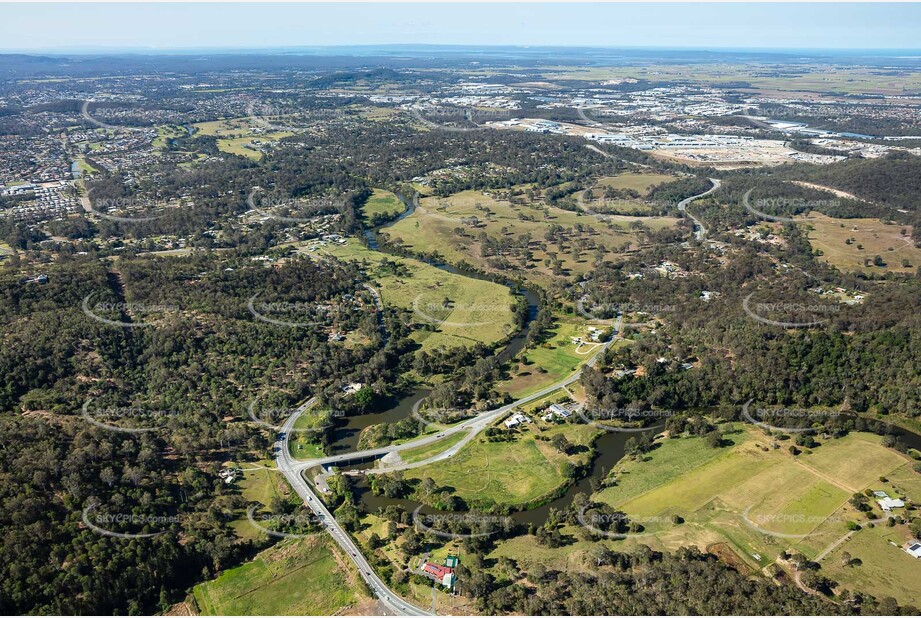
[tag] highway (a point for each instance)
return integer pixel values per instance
(474, 425)
(292, 469)
(700, 231)
(286, 465)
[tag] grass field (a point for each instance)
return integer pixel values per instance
(758, 499)
(886, 570)
(479, 311)
(167, 131)
(382, 203)
(641, 183)
(432, 228)
(298, 577)
(304, 444)
(553, 360)
(236, 135)
(259, 483)
(508, 473)
(829, 235)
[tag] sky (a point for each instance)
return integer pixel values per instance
(170, 26)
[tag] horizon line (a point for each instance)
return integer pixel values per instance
(152, 50)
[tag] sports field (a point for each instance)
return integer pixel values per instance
(475, 311)
(295, 577)
(869, 238)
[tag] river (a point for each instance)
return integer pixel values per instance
(609, 447)
(345, 436)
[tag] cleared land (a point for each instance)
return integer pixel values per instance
(869, 238)
(641, 183)
(477, 311)
(553, 360)
(509, 473)
(240, 136)
(885, 570)
(424, 452)
(454, 228)
(304, 442)
(258, 483)
(807, 79)
(300, 577)
(382, 203)
(759, 499)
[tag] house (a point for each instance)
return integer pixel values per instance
(442, 574)
(914, 549)
(516, 419)
(560, 411)
(228, 474)
(887, 504)
(352, 388)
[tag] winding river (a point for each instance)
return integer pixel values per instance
(345, 436)
(610, 447)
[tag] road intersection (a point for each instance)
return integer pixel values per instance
(293, 471)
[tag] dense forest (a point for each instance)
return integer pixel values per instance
(74, 387)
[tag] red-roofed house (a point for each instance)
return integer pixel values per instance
(442, 574)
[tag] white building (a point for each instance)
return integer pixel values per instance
(914, 549)
(515, 420)
(887, 504)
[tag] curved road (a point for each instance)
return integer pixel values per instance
(293, 469)
(700, 231)
(287, 467)
(475, 424)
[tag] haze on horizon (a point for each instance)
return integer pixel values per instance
(72, 27)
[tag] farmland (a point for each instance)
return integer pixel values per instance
(759, 499)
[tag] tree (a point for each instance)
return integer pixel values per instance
(561, 443)
(714, 439)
